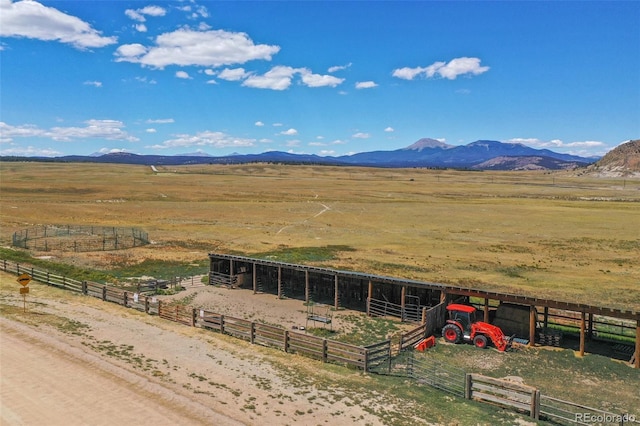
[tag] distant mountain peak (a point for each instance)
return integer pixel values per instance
(427, 143)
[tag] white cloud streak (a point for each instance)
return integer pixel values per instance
(186, 47)
(30, 19)
(139, 14)
(449, 70)
(366, 84)
(361, 135)
(207, 139)
(281, 77)
(94, 129)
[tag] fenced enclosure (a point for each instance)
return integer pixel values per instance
(376, 358)
(79, 238)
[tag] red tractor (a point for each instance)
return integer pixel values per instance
(463, 326)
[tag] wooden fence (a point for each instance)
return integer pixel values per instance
(369, 358)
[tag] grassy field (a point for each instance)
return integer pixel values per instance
(558, 235)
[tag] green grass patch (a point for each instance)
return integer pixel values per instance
(304, 254)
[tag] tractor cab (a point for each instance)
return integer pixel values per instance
(464, 315)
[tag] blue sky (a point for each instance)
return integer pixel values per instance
(327, 78)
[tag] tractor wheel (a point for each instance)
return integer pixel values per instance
(451, 333)
(480, 341)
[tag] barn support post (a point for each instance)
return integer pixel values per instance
(403, 295)
(583, 320)
(532, 325)
(279, 282)
(306, 286)
(369, 296)
(546, 317)
(590, 327)
(443, 297)
(637, 353)
(486, 310)
(255, 278)
(336, 296)
(231, 267)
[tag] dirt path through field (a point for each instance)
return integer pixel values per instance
(47, 381)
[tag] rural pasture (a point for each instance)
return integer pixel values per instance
(557, 235)
(561, 235)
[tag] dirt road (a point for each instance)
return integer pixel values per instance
(73, 359)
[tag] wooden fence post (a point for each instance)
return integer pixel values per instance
(221, 324)
(532, 325)
(467, 386)
(536, 406)
(125, 299)
(194, 315)
(146, 305)
(637, 353)
(324, 350)
(252, 336)
(286, 341)
(366, 360)
(104, 293)
(582, 332)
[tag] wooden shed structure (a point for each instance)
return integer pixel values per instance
(406, 299)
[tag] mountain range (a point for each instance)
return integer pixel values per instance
(431, 153)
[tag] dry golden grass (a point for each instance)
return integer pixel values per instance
(557, 235)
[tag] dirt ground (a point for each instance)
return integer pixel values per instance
(73, 360)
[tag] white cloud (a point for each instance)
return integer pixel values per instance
(31, 19)
(289, 132)
(209, 71)
(186, 47)
(280, 78)
(145, 80)
(389, 129)
(29, 151)
(183, 75)
(205, 139)
(277, 124)
(93, 83)
(277, 78)
(151, 130)
(581, 148)
(449, 70)
(317, 80)
(139, 14)
(259, 123)
(141, 28)
(234, 74)
(94, 129)
(212, 81)
(366, 84)
(361, 135)
(339, 67)
(160, 121)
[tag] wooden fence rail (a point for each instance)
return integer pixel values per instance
(503, 392)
